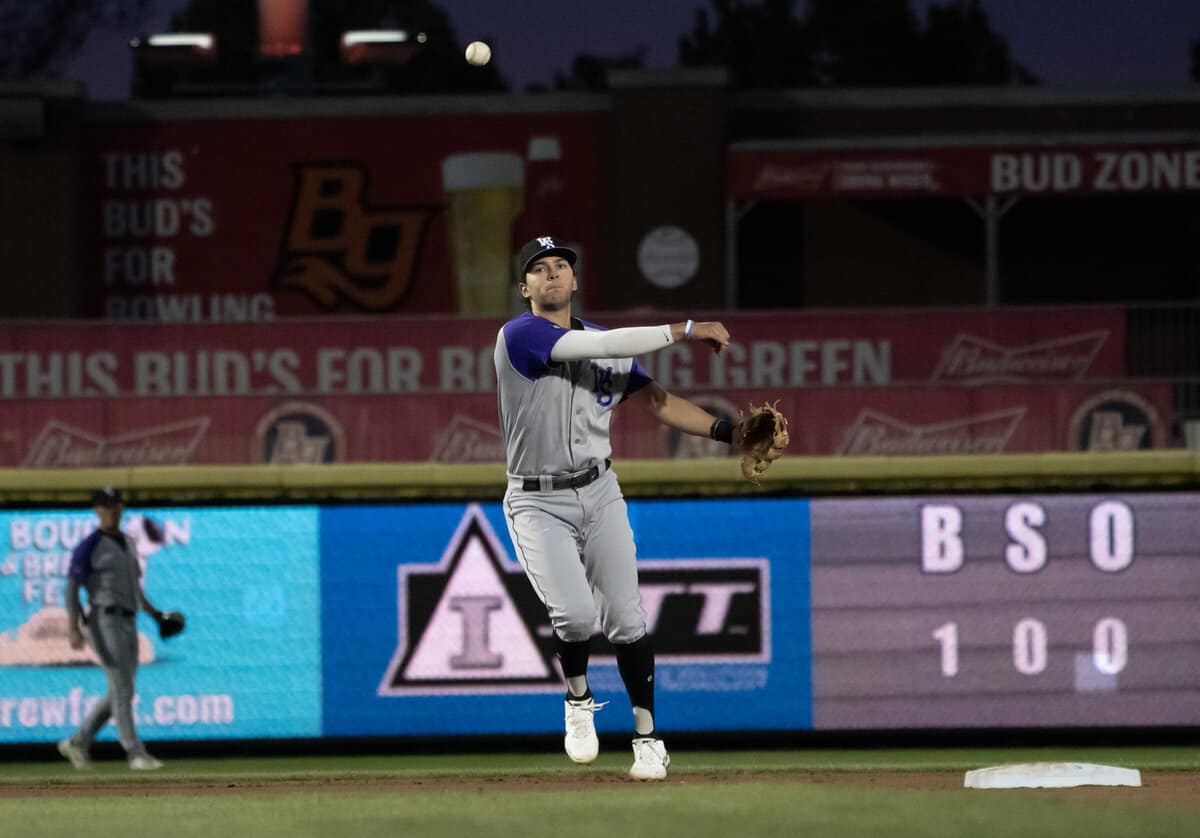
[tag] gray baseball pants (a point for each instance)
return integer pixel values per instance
(577, 549)
(115, 639)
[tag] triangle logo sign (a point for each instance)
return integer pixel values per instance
(468, 624)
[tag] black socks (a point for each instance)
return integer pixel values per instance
(636, 663)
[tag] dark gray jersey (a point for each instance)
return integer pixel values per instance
(555, 416)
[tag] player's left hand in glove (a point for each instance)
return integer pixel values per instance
(761, 436)
(170, 623)
(152, 529)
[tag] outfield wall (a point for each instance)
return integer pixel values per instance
(1048, 590)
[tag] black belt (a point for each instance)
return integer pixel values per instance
(116, 609)
(570, 481)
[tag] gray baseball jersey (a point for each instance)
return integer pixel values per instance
(555, 415)
(107, 566)
(574, 542)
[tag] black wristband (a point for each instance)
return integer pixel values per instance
(721, 430)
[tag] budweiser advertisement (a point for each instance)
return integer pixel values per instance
(462, 428)
(229, 219)
(404, 388)
(926, 420)
(855, 348)
(779, 171)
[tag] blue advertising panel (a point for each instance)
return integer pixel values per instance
(429, 625)
(247, 666)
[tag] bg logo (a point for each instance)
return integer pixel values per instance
(1115, 420)
(298, 432)
(473, 624)
(336, 247)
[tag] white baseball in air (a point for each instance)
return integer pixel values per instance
(478, 53)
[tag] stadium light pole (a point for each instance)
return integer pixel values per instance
(175, 49)
(163, 59)
(380, 46)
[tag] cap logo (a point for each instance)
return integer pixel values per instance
(545, 241)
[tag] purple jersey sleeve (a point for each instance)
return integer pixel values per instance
(529, 340)
(81, 558)
(638, 378)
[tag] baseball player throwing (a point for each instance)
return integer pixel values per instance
(106, 563)
(558, 380)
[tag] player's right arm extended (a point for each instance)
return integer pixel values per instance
(578, 345)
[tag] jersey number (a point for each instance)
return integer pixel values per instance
(602, 385)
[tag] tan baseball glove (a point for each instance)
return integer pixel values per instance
(762, 436)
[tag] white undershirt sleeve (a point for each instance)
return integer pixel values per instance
(578, 345)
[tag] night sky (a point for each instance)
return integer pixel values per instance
(1065, 42)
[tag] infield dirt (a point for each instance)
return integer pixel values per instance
(1172, 790)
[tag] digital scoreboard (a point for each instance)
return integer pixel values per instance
(1006, 611)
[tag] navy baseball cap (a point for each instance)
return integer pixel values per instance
(540, 248)
(108, 496)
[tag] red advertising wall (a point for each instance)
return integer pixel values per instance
(248, 219)
(405, 388)
(862, 348)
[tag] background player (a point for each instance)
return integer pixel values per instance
(106, 563)
(558, 381)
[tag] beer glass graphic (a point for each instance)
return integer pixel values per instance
(282, 28)
(484, 196)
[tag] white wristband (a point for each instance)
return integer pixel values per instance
(687, 330)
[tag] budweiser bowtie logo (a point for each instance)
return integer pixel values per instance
(878, 434)
(808, 178)
(467, 440)
(972, 360)
(60, 445)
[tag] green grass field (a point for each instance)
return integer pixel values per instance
(710, 793)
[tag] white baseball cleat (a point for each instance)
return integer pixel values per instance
(144, 762)
(650, 759)
(77, 755)
(581, 743)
